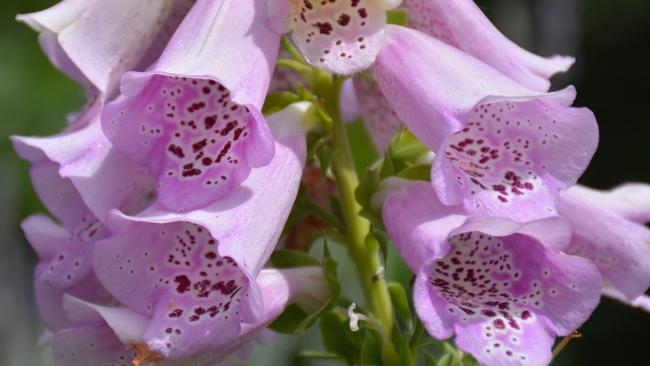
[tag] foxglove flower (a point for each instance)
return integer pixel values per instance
(503, 289)
(95, 41)
(193, 119)
(339, 36)
(462, 24)
(79, 177)
(609, 229)
(114, 335)
(192, 274)
(502, 149)
(65, 248)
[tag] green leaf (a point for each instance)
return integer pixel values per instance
(277, 101)
(401, 303)
(371, 351)
(417, 172)
(397, 17)
(290, 320)
(404, 151)
(333, 327)
(447, 360)
(382, 238)
(454, 357)
(363, 149)
(292, 259)
(319, 355)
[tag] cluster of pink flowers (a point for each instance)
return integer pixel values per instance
(171, 189)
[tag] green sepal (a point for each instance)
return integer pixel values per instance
(292, 259)
(397, 16)
(319, 355)
(401, 304)
(371, 350)
(333, 330)
(278, 101)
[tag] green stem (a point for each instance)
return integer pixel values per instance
(364, 253)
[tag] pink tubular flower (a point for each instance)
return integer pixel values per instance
(609, 229)
(64, 249)
(79, 177)
(192, 274)
(115, 335)
(193, 119)
(96, 41)
(340, 36)
(462, 24)
(502, 149)
(503, 289)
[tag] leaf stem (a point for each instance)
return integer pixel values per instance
(362, 248)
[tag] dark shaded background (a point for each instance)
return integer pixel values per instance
(610, 39)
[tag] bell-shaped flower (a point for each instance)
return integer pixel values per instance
(504, 289)
(609, 229)
(79, 177)
(502, 149)
(462, 24)
(193, 119)
(339, 36)
(192, 274)
(115, 335)
(65, 248)
(96, 41)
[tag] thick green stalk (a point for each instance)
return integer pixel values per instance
(365, 253)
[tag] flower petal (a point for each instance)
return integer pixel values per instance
(102, 39)
(94, 344)
(508, 296)
(339, 36)
(79, 170)
(379, 117)
(629, 200)
(193, 272)
(502, 148)
(49, 298)
(620, 248)
(127, 325)
(422, 233)
(174, 274)
(64, 267)
(462, 24)
(195, 123)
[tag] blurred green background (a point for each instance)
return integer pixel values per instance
(610, 39)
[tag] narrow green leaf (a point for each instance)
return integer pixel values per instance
(401, 303)
(319, 355)
(371, 351)
(292, 259)
(397, 16)
(277, 101)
